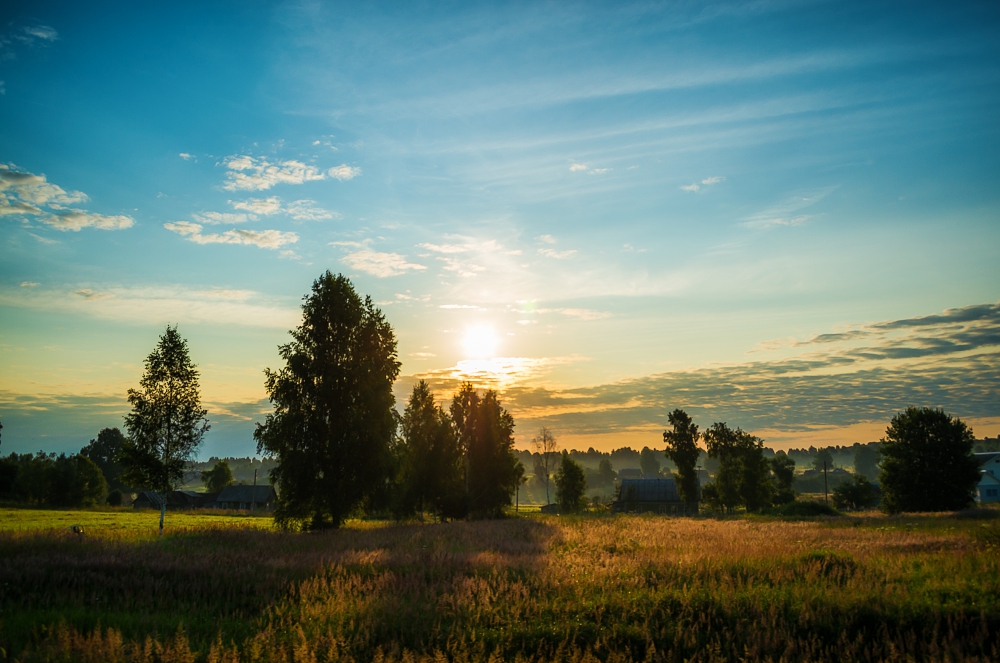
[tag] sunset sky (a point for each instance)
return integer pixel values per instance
(782, 215)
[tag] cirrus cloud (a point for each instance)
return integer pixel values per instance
(264, 239)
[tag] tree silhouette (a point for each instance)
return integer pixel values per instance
(218, 477)
(431, 459)
(783, 476)
(682, 449)
(333, 424)
(742, 479)
(167, 422)
(104, 452)
(571, 485)
(927, 462)
(649, 463)
(546, 447)
(486, 433)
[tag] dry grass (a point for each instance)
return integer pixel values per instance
(538, 589)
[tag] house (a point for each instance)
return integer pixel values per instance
(148, 499)
(247, 498)
(176, 500)
(988, 489)
(649, 496)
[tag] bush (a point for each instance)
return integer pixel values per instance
(799, 509)
(858, 494)
(115, 498)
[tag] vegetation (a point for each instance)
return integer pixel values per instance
(629, 588)
(545, 446)
(649, 463)
(333, 423)
(927, 462)
(743, 477)
(486, 432)
(682, 449)
(105, 451)
(571, 486)
(858, 494)
(167, 422)
(218, 477)
(431, 459)
(783, 473)
(51, 480)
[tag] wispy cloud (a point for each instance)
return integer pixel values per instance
(343, 172)
(698, 186)
(299, 210)
(784, 213)
(261, 206)
(558, 255)
(547, 239)
(247, 173)
(376, 263)
(186, 156)
(216, 218)
(34, 34)
(27, 195)
(264, 239)
(308, 210)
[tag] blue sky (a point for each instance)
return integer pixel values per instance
(784, 215)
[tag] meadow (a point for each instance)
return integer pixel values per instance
(535, 588)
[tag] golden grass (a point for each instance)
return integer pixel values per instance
(529, 589)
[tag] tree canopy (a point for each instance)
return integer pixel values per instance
(486, 433)
(682, 449)
(431, 470)
(546, 447)
(571, 485)
(104, 451)
(218, 477)
(649, 463)
(927, 462)
(743, 478)
(333, 425)
(167, 423)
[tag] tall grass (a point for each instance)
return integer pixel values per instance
(540, 589)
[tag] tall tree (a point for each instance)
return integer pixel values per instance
(927, 462)
(167, 423)
(649, 463)
(104, 452)
(218, 477)
(682, 449)
(823, 459)
(333, 426)
(486, 432)
(431, 458)
(76, 481)
(783, 476)
(742, 478)
(546, 447)
(571, 485)
(866, 460)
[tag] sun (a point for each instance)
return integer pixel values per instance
(480, 342)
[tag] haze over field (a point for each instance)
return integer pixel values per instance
(783, 215)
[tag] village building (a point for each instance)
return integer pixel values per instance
(246, 498)
(649, 496)
(988, 489)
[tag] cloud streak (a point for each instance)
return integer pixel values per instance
(264, 239)
(28, 195)
(247, 173)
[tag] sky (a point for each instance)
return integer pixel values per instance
(781, 215)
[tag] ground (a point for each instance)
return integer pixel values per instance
(543, 588)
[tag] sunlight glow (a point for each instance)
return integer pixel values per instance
(480, 343)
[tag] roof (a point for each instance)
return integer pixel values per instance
(988, 478)
(150, 496)
(259, 494)
(649, 490)
(984, 458)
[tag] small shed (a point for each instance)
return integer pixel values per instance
(649, 496)
(148, 499)
(247, 498)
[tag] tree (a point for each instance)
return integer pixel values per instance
(866, 460)
(823, 459)
(927, 462)
(546, 447)
(571, 485)
(857, 494)
(104, 452)
(486, 433)
(783, 476)
(76, 481)
(648, 463)
(218, 477)
(431, 459)
(742, 479)
(682, 449)
(167, 423)
(334, 425)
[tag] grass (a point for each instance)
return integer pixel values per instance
(107, 521)
(536, 588)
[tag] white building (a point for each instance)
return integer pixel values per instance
(989, 481)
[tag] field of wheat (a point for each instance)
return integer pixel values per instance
(523, 589)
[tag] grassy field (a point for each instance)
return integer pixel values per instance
(538, 588)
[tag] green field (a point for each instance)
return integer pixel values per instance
(534, 588)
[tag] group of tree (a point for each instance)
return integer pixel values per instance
(48, 479)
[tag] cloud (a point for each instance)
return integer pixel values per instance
(264, 239)
(29, 284)
(582, 167)
(248, 173)
(216, 218)
(576, 167)
(261, 206)
(447, 248)
(599, 171)
(343, 172)
(26, 35)
(462, 306)
(558, 255)
(708, 181)
(185, 156)
(158, 304)
(376, 263)
(44, 240)
(783, 214)
(548, 239)
(26, 194)
(43, 32)
(306, 210)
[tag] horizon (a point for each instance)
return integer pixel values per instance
(782, 216)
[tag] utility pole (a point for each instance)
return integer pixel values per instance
(253, 497)
(826, 498)
(163, 510)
